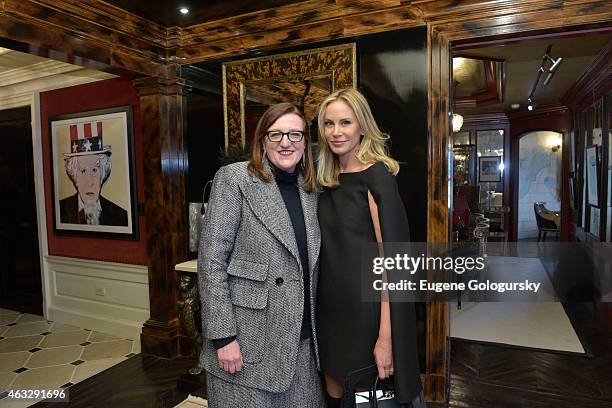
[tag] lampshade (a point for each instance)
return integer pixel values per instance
(457, 122)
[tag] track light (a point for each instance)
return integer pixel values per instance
(548, 78)
(530, 105)
(552, 69)
(549, 74)
(555, 64)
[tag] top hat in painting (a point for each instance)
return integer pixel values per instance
(86, 138)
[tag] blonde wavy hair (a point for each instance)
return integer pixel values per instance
(373, 146)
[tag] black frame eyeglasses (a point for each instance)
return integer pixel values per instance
(276, 136)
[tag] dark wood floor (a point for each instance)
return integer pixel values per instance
(482, 376)
(141, 381)
(487, 376)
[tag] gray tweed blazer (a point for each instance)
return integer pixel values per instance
(250, 277)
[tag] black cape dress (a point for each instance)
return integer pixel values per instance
(347, 326)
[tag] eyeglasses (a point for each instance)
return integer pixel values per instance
(277, 136)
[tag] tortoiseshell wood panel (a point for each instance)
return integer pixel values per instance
(295, 24)
(118, 40)
(161, 110)
(338, 62)
(91, 30)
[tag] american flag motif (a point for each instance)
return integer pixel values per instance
(86, 137)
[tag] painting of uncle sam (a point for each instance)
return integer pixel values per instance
(92, 162)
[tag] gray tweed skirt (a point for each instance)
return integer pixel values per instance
(305, 390)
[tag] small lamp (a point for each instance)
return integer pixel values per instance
(457, 122)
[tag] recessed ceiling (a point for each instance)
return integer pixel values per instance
(524, 59)
(17, 68)
(166, 12)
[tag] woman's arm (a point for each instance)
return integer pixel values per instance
(383, 350)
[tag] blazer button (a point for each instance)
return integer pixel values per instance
(279, 281)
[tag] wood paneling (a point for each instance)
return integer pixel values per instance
(581, 93)
(114, 40)
(161, 112)
(106, 34)
(165, 12)
(438, 205)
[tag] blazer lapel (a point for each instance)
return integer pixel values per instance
(313, 234)
(268, 206)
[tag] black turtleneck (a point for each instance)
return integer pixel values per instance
(288, 186)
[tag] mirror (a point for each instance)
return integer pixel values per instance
(303, 78)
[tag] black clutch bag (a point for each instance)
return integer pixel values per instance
(378, 393)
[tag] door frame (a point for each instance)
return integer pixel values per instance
(516, 159)
(489, 26)
(21, 96)
(31, 100)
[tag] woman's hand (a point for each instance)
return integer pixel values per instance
(230, 357)
(383, 355)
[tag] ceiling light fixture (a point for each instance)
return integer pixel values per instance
(183, 10)
(549, 73)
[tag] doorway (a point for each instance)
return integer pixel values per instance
(539, 177)
(20, 276)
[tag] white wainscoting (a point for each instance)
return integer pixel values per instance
(108, 297)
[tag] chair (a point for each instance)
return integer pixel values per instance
(497, 215)
(546, 220)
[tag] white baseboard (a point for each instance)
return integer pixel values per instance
(124, 329)
(109, 297)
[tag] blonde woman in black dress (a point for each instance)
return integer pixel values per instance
(359, 188)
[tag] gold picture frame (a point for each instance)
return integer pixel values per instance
(305, 76)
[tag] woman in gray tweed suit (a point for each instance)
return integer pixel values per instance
(257, 266)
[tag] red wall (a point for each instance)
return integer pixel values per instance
(97, 95)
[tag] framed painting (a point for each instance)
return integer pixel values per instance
(92, 161)
(592, 172)
(303, 78)
(489, 169)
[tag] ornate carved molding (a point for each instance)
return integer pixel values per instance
(160, 86)
(89, 29)
(106, 34)
(337, 63)
(485, 118)
(539, 111)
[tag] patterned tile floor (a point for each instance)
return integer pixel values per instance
(36, 354)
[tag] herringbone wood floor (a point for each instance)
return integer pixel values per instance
(487, 376)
